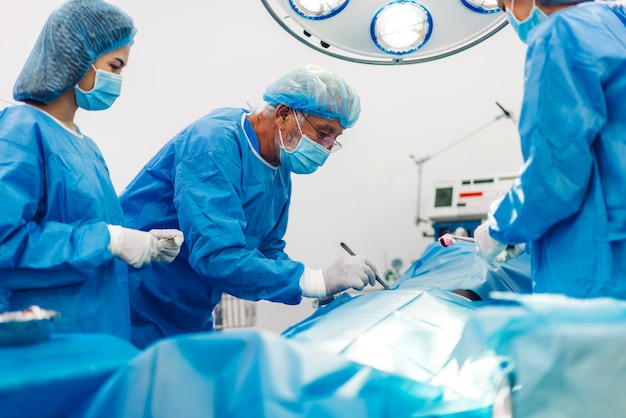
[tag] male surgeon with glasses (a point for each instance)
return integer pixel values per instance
(224, 181)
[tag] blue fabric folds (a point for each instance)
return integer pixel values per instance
(568, 353)
(53, 378)
(459, 267)
(252, 374)
(406, 332)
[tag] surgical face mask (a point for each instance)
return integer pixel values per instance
(524, 27)
(107, 87)
(306, 157)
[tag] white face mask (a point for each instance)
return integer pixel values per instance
(523, 28)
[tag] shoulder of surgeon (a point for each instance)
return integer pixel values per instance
(579, 25)
(218, 131)
(21, 124)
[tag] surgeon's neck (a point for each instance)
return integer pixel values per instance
(265, 130)
(62, 109)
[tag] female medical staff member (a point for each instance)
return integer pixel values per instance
(569, 202)
(60, 217)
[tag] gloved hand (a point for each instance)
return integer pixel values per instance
(513, 251)
(488, 248)
(493, 252)
(350, 271)
(447, 240)
(138, 248)
(168, 244)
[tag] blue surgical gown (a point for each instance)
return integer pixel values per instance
(210, 182)
(569, 202)
(57, 199)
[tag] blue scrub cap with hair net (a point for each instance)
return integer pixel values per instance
(74, 36)
(317, 91)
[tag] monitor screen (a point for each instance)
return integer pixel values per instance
(443, 197)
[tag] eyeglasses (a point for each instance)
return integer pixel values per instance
(323, 139)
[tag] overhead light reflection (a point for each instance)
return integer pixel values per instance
(482, 6)
(318, 9)
(401, 27)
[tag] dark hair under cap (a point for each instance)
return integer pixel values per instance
(74, 36)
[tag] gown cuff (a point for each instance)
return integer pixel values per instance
(312, 283)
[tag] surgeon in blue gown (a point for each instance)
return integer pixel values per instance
(62, 243)
(568, 206)
(224, 180)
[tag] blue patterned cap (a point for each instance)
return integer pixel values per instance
(317, 91)
(74, 36)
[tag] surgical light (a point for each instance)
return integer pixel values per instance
(400, 28)
(482, 6)
(388, 31)
(317, 9)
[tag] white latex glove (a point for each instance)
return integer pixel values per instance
(133, 246)
(447, 240)
(349, 272)
(138, 248)
(493, 252)
(513, 251)
(168, 244)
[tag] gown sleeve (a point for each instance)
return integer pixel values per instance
(562, 113)
(29, 239)
(208, 200)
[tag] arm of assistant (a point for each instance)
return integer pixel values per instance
(138, 248)
(556, 143)
(31, 239)
(27, 239)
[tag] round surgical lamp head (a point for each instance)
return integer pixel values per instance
(482, 6)
(316, 9)
(401, 27)
(388, 31)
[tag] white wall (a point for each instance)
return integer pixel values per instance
(191, 56)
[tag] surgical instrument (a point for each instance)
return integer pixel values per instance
(449, 239)
(378, 279)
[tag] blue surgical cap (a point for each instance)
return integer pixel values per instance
(317, 91)
(74, 36)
